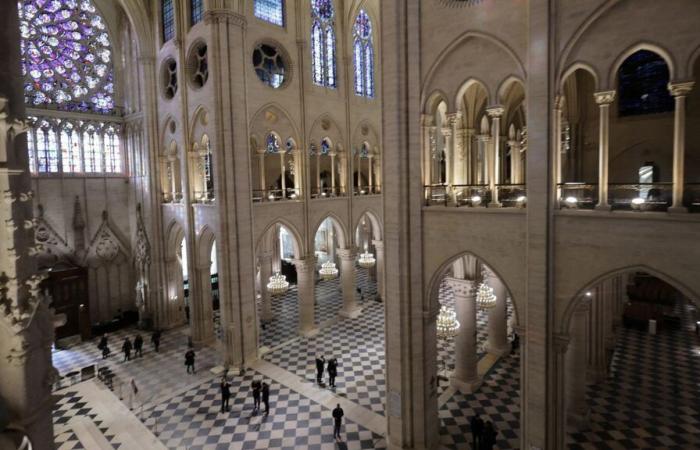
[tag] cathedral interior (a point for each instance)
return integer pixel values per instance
(463, 224)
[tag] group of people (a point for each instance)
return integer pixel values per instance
(260, 390)
(128, 346)
(483, 434)
(331, 367)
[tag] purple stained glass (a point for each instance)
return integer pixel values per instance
(67, 56)
(363, 56)
(323, 9)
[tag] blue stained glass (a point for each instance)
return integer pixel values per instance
(363, 56)
(323, 65)
(66, 56)
(643, 85)
(325, 147)
(70, 149)
(31, 147)
(273, 143)
(168, 17)
(196, 11)
(270, 11)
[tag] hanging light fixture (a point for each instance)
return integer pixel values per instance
(278, 284)
(447, 323)
(485, 298)
(367, 260)
(328, 270)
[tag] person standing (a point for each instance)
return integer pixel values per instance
(126, 348)
(105, 351)
(320, 363)
(266, 397)
(155, 340)
(133, 394)
(189, 360)
(332, 371)
(488, 440)
(338, 417)
(103, 343)
(256, 395)
(225, 394)
(138, 346)
(477, 427)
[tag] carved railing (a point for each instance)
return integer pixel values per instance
(328, 192)
(368, 190)
(578, 195)
(275, 195)
(470, 195)
(512, 195)
(640, 196)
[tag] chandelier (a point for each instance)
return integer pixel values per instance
(485, 298)
(367, 260)
(328, 270)
(278, 284)
(447, 323)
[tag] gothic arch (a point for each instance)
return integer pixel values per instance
(431, 103)
(573, 302)
(663, 53)
(174, 233)
(433, 288)
(572, 69)
(377, 230)
(338, 226)
(206, 239)
(272, 117)
(297, 240)
(325, 126)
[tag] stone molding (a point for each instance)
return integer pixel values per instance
(604, 97)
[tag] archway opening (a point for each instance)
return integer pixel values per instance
(631, 363)
(692, 142)
(478, 354)
(329, 294)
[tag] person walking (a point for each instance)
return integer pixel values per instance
(126, 348)
(225, 394)
(338, 417)
(488, 439)
(332, 371)
(103, 343)
(105, 351)
(477, 427)
(256, 386)
(320, 363)
(266, 397)
(138, 346)
(155, 340)
(189, 360)
(515, 343)
(133, 394)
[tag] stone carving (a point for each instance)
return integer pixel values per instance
(105, 246)
(19, 314)
(142, 258)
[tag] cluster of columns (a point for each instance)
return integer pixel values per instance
(466, 377)
(466, 163)
(201, 157)
(604, 99)
(282, 152)
(171, 186)
(306, 285)
(372, 172)
(589, 346)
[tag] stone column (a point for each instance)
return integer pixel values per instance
(449, 155)
(318, 172)
(598, 366)
(466, 377)
(468, 156)
(576, 407)
(348, 276)
(261, 167)
(483, 141)
(495, 112)
(265, 261)
(333, 155)
(379, 249)
(679, 91)
(556, 160)
(603, 99)
(498, 318)
(369, 167)
(515, 162)
(201, 307)
(306, 292)
(283, 171)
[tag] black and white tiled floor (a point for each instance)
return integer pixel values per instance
(70, 405)
(194, 421)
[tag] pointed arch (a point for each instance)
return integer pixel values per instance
(654, 48)
(297, 240)
(338, 226)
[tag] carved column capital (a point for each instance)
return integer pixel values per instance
(681, 89)
(495, 111)
(605, 97)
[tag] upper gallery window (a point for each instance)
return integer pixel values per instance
(66, 56)
(168, 17)
(363, 55)
(643, 85)
(270, 11)
(269, 65)
(196, 11)
(323, 43)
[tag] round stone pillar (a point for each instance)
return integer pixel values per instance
(576, 358)
(265, 272)
(497, 343)
(465, 377)
(348, 275)
(379, 250)
(306, 292)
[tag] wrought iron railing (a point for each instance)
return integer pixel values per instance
(368, 190)
(578, 195)
(327, 192)
(640, 196)
(512, 195)
(204, 197)
(471, 195)
(275, 195)
(169, 197)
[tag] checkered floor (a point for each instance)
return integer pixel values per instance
(360, 367)
(194, 421)
(70, 405)
(650, 399)
(497, 400)
(170, 360)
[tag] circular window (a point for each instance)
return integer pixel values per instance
(269, 65)
(169, 75)
(198, 65)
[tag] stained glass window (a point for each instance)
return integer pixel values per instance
(113, 157)
(32, 151)
(323, 43)
(70, 149)
(269, 65)
(363, 55)
(273, 143)
(47, 148)
(93, 156)
(67, 56)
(643, 85)
(196, 11)
(270, 11)
(168, 16)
